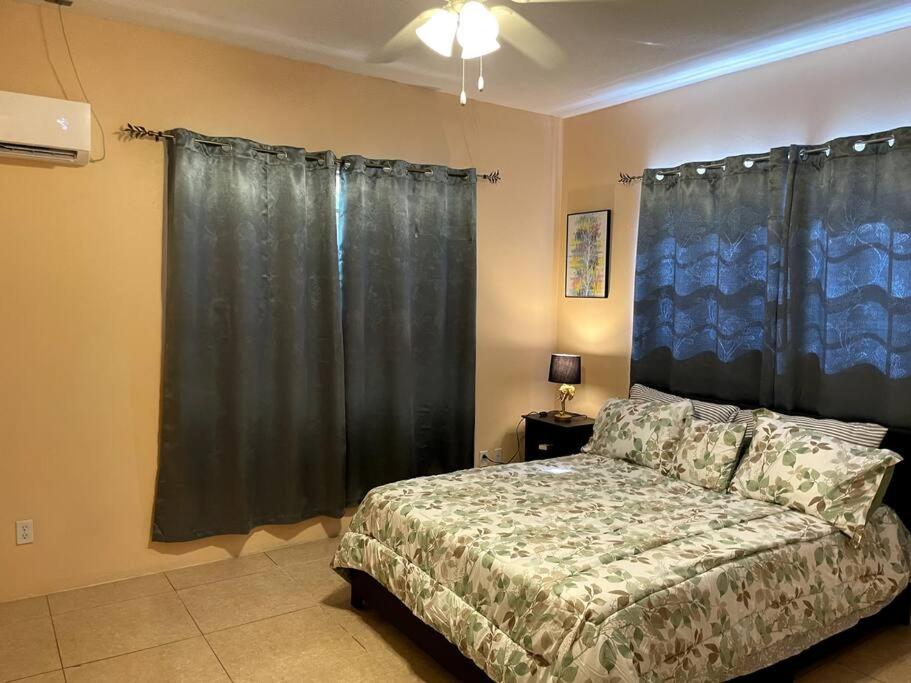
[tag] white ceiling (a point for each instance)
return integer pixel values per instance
(603, 52)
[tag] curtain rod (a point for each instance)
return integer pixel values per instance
(134, 132)
(627, 179)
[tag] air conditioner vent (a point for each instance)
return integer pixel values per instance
(38, 151)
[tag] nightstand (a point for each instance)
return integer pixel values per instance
(546, 437)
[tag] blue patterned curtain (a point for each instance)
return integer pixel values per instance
(843, 333)
(783, 281)
(702, 278)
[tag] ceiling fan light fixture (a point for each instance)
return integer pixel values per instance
(479, 49)
(439, 31)
(477, 30)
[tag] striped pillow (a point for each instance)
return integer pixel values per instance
(745, 417)
(711, 412)
(864, 434)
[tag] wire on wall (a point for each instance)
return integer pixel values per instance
(50, 61)
(69, 52)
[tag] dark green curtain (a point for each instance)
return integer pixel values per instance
(252, 410)
(784, 282)
(408, 269)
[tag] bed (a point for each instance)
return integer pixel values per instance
(590, 568)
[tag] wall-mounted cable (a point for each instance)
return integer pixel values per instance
(66, 40)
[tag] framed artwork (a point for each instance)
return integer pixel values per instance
(587, 254)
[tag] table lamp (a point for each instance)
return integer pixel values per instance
(565, 370)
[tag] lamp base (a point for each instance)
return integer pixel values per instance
(563, 416)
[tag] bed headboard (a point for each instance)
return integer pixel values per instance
(898, 439)
(898, 495)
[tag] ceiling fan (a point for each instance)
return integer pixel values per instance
(476, 27)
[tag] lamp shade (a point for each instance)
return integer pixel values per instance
(565, 368)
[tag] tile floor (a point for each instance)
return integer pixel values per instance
(278, 616)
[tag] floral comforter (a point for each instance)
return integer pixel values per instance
(588, 568)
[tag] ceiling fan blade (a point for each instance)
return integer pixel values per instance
(541, 2)
(528, 38)
(644, 43)
(402, 41)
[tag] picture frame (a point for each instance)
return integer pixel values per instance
(588, 236)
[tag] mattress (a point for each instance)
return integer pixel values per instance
(589, 568)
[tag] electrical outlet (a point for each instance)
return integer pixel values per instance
(25, 531)
(484, 458)
(498, 454)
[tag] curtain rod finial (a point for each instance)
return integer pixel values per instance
(627, 179)
(133, 132)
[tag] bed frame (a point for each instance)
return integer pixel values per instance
(367, 592)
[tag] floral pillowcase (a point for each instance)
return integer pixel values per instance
(812, 473)
(707, 453)
(643, 432)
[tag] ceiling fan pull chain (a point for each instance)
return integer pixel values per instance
(481, 74)
(463, 98)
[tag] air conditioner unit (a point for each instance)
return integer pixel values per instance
(45, 129)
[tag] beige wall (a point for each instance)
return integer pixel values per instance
(80, 272)
(853, 89)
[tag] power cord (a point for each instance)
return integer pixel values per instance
(69, 52)
(50, 60)
(518, 442)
